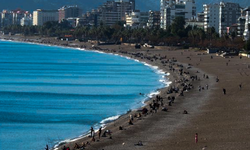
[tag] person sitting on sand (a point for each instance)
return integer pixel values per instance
(144, 111)
(66, 148)
(138, 115)
(139, 143)
(76, 146)
(217, 79)
(131, 117)
(83, 145)
(164, 109)
(93, 139)
(130, 122)
(104, 134)
(185, 112)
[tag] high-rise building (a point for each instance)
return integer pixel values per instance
(12, 17)
(154, 19)
(89, 19)
(17, 15)
(211, 16)
(136, 19)
(0, 19)
(241, 23)
(170, 9)
(113, 11)
(6, 18)
(69, 12)
(42, 16)
(228, 15)
(246, 33)
(133, 19)
(26, 21)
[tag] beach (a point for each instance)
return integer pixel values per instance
(221, 120)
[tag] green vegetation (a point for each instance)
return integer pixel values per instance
(176, 34)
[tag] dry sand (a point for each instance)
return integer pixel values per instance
(222, 121)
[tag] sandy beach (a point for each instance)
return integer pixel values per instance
(221, 120)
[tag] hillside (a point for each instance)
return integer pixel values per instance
(88, 5)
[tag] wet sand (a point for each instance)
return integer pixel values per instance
(221, 121)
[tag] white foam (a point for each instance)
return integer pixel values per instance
(110, 119)
(153, 94)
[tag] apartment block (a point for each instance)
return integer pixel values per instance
(42, 16)
(113, 11)
(136, 19)
(26, 21)
(246, 33)
(170, 9)
(211, 16)
(89, 19)
(241, 25)
(17, 15)
(154, 20)
(6, 18)
(69, 12)
(228, 15)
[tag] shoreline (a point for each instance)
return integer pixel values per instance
(221, 120)
(173, 110)
(165, 81)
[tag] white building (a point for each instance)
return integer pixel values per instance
(133, 19)
(229, 14)
(136, 19)
(42, 16)
(170, 9)
(6, 18)
(246, 33)
(26, 21)
(211, 16)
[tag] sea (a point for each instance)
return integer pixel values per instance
(51, 94)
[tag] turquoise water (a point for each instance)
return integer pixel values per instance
(50, 94)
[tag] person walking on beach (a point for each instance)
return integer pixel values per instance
(240, 86)
(196, 137)
(92, 131)
(224, 91)
(217, 79)
(100, 132)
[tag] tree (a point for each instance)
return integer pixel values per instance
(247, 45)
(178, 27)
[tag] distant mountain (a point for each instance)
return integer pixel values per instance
(144, 5)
